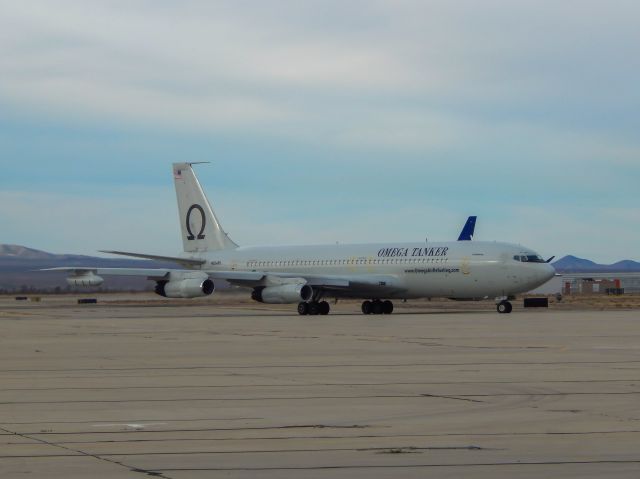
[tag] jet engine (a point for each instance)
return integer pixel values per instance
(193, 286)
(283, 294)
(84, 278)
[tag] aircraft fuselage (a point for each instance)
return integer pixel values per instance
(451, 269)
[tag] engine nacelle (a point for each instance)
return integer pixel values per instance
(186, 287)
(283, 294)
(85, 278)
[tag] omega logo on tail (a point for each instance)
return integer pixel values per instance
(191, 236)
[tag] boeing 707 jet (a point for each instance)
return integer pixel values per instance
(308, 275)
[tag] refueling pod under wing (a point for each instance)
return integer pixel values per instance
(84, 278)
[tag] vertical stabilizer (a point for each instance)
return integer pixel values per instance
(469, 228)
(201, 230)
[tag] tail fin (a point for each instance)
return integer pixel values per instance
(469, 227)
(201, 230)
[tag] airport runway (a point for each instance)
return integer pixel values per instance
(198, 391)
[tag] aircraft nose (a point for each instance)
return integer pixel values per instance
(549, 272)
(541, 274)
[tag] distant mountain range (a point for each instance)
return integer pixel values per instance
(573, 264)
(19, 265)
(17, 251)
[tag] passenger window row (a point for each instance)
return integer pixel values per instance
(343, 262)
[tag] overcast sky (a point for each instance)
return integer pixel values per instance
(350, 121)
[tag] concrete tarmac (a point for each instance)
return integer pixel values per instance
(195, 391)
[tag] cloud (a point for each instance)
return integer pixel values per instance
(146, 220)
(407, 74)
(602, 233)
(82, 224)
(338, 113)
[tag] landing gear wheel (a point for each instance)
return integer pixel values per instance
(303, 308)
(504, 307)
(314, 308)
(376, 307)
(324, 308)
(387, 307)
(366, 307)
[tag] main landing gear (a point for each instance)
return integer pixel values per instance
(377, 307)
(504, 307)
(313, 308)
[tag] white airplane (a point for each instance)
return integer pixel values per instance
(307, 275)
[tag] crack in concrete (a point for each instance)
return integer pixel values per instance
(451, 397)
(78, 452)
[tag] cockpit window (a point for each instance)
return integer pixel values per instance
(529, 258)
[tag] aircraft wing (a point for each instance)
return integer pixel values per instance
(343, 284)
(262, 278)
(380, 284)
(242, 278)
(159, 274)
(150, 273)
(375, 285)
(175, 259)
